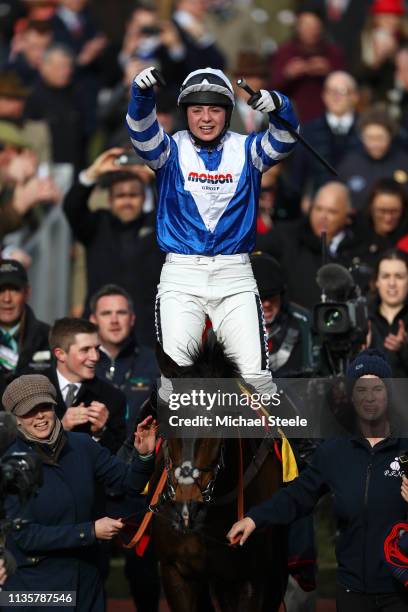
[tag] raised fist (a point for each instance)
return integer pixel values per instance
(145, 79)
(265, 101)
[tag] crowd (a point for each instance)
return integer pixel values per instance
(67, 71)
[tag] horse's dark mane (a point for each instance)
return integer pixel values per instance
(208, 361)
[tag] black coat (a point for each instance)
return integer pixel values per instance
(125, 254)
(307, 171)
(198, 56)
(100, 391)
(34, 352)
(365, 483)
(380, 328)
(134, 371)
(62, 109)
(299, 252)
(360, 171)
(56, 549)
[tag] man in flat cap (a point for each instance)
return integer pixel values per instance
(23, 338)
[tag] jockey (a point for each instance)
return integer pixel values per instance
(208, 181)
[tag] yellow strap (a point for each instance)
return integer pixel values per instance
(289, 466)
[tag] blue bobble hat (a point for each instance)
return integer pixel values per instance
(369, 361)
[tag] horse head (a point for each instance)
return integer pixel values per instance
(194, 463)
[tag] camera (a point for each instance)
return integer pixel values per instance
(337, 318)
(128, 159)
(150, 30)
(20, 474)
(340, 319)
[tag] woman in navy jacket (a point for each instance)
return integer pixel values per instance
(55, 549)
(363, 473)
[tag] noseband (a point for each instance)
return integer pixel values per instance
(189, 474)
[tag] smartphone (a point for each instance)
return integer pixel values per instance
(128, 159)
(150, 30)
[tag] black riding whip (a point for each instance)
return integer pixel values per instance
(244, 85)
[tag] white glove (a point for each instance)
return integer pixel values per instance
(267, 102)
(145, 79)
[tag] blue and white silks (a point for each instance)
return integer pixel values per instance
(208, 199)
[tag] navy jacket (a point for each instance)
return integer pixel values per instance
(56, 549)
(134, 372)
(307, 170)
(365, 483)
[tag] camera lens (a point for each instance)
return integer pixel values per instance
(332, 317)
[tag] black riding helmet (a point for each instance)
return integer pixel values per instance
(209, 87)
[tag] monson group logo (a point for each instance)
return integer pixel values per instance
(211, 179)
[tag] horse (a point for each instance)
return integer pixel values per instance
(198, 505)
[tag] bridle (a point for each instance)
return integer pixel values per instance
(190, 474)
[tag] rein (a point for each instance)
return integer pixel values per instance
(140, 540)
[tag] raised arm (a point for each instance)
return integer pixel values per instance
(148, 138)
(82, 220)
(269, 147)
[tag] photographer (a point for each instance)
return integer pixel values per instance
(55, 544)
(120, 243)
(389, 310)
(363, 473)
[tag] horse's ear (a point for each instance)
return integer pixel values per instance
(168, 367)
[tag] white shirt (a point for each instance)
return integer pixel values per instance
(335, 241)
(340, 124)
(64, 385)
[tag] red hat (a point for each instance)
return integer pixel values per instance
(395, 7)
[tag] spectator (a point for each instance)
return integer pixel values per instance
(199, 43)
(55, 100)
(237, 29)
(153, 41)
(133, 370)
(85, 402)
(13, 93)
(120, 242)
(20, 188)
(344, 21)
(73, 26)
(386, 216)
(397, 95)
(278, 201)
(23, 338)
(301, 65)
(114, 106)
(365, 484)
(298, 244)
(128, 366)
(13, 96)
(288, 326)
(254, 69)
(389, 310)
(380, 157)
(333, 134)
(12, 11)
(34, 41)
(381, 37)
(55, 544)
